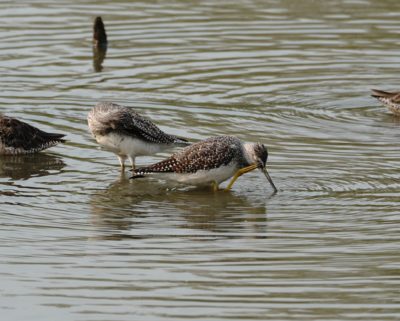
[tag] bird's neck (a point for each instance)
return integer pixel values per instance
(248, 149)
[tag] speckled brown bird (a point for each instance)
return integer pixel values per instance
(18, 137)
(389, 99)
(210, 162)
(124, 132)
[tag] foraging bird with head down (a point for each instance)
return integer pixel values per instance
(389, 99)
(210, 162)
(18, 137)
(124, 132)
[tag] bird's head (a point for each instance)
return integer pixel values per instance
(260, 155)
(257, 154)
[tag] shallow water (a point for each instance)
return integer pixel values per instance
(81, 242)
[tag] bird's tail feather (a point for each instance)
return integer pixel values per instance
(181, 142)
(54, 137)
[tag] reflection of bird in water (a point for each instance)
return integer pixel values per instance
(18, 137)
(31, 165)
(124, 132)
(210, 161)
(389, 99)
(99, 44)
(113, 209)
(220, 212)
(125, 210)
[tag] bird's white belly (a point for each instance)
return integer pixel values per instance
(125, 145)
(202, 177)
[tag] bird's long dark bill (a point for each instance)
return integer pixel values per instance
(270, 180)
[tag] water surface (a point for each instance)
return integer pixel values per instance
(79, 241)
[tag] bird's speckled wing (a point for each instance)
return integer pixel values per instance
(142, 126)
(208, 154)
(20, 135)
(109, 117)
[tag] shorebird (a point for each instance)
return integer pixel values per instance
(210, 162)
(389, 99)
(18, 137)
(124, 132)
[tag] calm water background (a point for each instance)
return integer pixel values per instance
(78, 241)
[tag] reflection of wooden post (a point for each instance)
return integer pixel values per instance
(98, 57)
(99, 44)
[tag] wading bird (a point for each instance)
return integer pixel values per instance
(124, 132)
(18, 137)
(210, 162)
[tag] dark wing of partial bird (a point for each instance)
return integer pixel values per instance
(396, 98)
(383, 94)
(204, 155)
(18, 134)
(393, 97)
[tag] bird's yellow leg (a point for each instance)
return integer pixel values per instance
(239, 173)
(215, 186)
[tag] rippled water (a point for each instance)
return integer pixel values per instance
(81, 242)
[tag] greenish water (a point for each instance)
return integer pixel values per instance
(79, 241)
